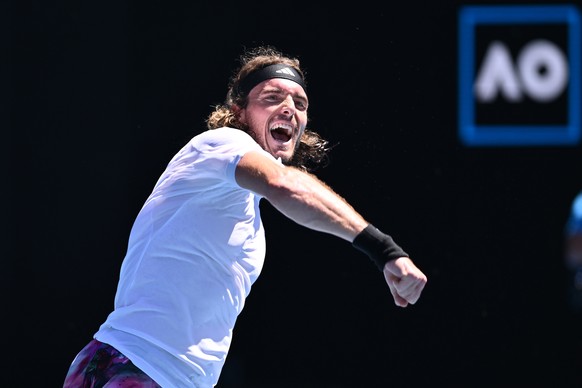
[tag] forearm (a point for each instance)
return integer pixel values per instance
(311, 203)
(315, 205)
(320, 208)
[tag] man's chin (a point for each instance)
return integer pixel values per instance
(283, 155)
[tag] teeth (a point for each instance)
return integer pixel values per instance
(282, 132)
(288, 128)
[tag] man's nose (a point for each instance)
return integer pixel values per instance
(288, 107)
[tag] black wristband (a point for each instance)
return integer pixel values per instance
(378, 246)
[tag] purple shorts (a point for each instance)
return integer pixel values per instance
(99, 365)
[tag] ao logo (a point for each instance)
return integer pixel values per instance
(541, 72)
(520, 74)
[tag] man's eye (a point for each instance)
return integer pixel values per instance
(272, 98)
(301, 104)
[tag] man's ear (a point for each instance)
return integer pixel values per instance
(240, 113)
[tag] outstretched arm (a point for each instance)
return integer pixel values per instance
(299, 196)
(308, 201)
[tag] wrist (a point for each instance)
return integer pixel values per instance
(379, 246)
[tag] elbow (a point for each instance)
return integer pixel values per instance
(286, 184)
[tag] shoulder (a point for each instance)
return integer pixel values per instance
(225, 135)
(227, 140)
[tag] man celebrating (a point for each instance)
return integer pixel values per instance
(198, 243)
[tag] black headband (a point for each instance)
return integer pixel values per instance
(272, 71)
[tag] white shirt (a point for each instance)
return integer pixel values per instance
(194, 251)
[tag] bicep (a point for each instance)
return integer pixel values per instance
(257, 172)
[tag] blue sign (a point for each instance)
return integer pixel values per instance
(519, 75)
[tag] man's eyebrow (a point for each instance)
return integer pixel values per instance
(277, 90)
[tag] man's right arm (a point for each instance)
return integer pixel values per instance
(300, 196)
(308, 201)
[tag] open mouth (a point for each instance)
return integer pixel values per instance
(281, 132)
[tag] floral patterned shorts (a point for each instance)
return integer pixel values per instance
(101, 365)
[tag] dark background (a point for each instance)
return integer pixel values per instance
(100, 95)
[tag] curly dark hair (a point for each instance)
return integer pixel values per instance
(312, 150)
